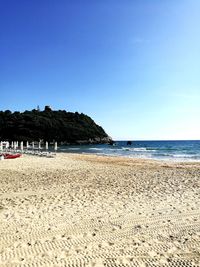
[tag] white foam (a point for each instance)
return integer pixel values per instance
(138, 149)
(185, 156)
(96, 148)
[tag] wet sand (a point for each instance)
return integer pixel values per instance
(86, 210)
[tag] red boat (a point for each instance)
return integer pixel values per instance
(11, 156)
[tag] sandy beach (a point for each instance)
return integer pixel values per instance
(86, 210)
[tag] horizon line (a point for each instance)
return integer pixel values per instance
(138, 140)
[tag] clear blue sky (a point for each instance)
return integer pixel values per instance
(132, 65)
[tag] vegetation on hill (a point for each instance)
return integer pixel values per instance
(49, 125)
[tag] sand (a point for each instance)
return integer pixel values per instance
(85, 210)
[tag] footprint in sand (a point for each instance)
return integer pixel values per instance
(123, 260)
(104, 244)
(142, 264)
(152, 254)
(163, 260)
(96, 263)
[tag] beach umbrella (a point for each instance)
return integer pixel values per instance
(47, 146)
(55, 146)
(27, 145)
(21, 146)
(7, 144)
(15, 145)
(39, 145)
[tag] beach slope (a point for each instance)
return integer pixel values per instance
(87, 210)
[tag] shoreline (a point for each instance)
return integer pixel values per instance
(175, 160)
(94, 211)
(110, 159)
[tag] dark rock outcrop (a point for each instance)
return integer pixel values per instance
(48, 125)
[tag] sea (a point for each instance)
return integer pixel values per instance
(157, 150)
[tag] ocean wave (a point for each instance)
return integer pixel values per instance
(113, 149)
(96, 148)
(186, 156)
(134, 149)
(138, 149)
(166, 149)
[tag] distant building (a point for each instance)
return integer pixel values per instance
(47, 108)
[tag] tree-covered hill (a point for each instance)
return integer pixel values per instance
(49, 125)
